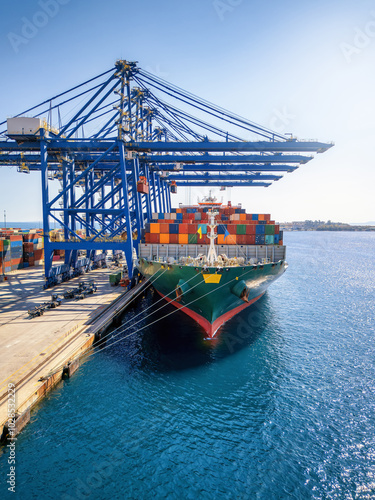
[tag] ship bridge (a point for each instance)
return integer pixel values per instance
(119, 143)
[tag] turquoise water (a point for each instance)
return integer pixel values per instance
(281, 406)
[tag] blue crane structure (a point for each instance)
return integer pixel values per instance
(102, 136)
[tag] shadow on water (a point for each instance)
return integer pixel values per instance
(155, 336)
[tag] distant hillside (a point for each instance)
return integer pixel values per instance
(339, 226)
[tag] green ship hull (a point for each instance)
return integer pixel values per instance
(209, 295)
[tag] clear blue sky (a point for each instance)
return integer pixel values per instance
(310, 63)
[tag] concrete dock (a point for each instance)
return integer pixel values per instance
(34, 353)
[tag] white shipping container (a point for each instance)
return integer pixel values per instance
(23, 125)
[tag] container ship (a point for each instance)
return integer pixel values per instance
(211, 261)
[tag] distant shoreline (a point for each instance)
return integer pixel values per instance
(337, 230)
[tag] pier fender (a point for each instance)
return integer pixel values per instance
(14, 426)
(182, 289)
(241, 291)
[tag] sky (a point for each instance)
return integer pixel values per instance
(305, 68)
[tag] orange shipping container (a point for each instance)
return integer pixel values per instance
(261, 217)
(242, 216)
(183, 239)
(164, 238)
(154, 228)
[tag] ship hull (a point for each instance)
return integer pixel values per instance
(210, 296)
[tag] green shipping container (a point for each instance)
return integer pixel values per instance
(269, 239)
(241, 229)
(114, 278)
(269, 229)
(193, 238)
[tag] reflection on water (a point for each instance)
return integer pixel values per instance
(174, 341)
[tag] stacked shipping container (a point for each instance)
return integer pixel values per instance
(19, 249)
(190, 225)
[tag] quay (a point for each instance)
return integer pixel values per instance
(35, 354)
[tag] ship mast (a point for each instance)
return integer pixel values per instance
(212, 256)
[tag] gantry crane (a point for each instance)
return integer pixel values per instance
(125, 138)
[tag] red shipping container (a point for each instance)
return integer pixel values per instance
(250, 229)
(192, 228)
(241, 239)
(164, 228)
(232, 228)
(147, 238)
(173, 238)
(203, 240)
(277, 229)
(154, 238)
(267, 216)
(39, 254)
(250, 239)
(183, 228)
(15, 238)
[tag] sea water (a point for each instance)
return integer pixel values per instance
(280, 406)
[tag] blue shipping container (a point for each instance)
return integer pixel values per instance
(259, 239)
